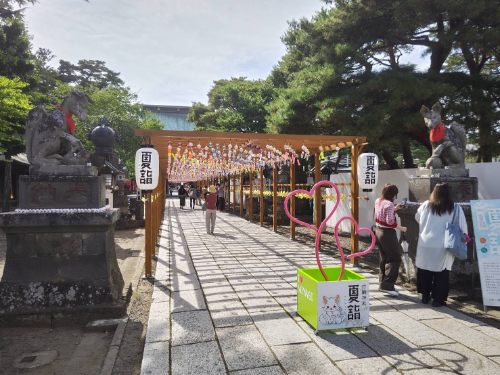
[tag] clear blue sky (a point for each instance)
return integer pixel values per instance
(169, 51)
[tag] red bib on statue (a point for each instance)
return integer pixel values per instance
(437, 133)
(69, 120)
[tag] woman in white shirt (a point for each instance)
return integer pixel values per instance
(433, 261)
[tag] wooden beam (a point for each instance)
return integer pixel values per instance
(292, 200)
(275, 198)
(242, 211)
(261, 201)
(250, 204)
(317, 192)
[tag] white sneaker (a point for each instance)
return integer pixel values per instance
(391, 292)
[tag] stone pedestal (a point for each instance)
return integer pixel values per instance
(62, 263)
(464, 189)
(44, 191)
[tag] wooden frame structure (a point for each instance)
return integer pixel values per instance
(315, 143)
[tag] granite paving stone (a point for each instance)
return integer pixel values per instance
(490, 331)
(412, 330)
(339, 344)
(420, 311)
(158, 322)
(304, 359)
(192, 327)
(150, 363)
(278, 328)
(470, 337)
(463, 360)
(228, 313)
(184, 282)
(187, 300)
(196, 359)
(395, 349)
(364, 366)
(244, 348)
(430, 371)
(272, 370)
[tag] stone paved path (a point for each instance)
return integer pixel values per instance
(226, 304)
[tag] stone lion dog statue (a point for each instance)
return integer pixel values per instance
(49, 138)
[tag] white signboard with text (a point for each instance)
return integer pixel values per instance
(486, 220)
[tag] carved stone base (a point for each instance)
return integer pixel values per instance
(444, 172)
(59, 261)
(463, 189)
(39, 192)
(63, 170)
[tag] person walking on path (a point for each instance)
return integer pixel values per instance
(205, 192)
(221, 201)
(192, 197)
(433, 261)
(390, 250)
(211, 213)
(198, 197)
(182, 196)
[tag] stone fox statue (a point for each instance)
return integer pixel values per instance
(49, 138)
(448, 143)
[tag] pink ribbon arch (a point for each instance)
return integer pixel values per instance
(323, 224)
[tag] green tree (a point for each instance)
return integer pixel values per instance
(7, 7)
(14, 106)
(88, 73)
(125, 114)
(16, 59)
(235, 105)
(342, 71)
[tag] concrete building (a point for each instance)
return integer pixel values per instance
(174, 117)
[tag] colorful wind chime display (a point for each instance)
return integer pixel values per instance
(195, 163)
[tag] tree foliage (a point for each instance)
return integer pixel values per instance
(88, 73)
(342, 72)
(124, 113)
(235, 105)
(14, 106)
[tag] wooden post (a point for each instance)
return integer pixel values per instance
(317, 192)
(292, 200)
(242, 211)
(261, 196)
(147, 249)
(355, 151)
(234, 194)
(228, 192)
(275, 198)
(250, 204)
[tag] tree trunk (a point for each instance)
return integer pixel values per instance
(6, 183)
(408, 157)
(389, 159)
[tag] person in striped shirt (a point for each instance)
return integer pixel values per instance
(390, 250)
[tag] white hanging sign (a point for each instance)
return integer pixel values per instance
(368, 171)
(147, 167)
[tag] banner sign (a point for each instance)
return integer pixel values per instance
(367, 171)
(147, 167)
(486, 220)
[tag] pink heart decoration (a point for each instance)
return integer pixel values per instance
(323, 224)
(357, 231)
